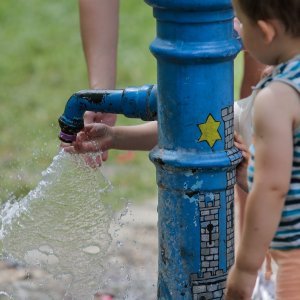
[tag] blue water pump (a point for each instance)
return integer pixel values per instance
(195, 157)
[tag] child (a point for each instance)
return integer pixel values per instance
(271, 33)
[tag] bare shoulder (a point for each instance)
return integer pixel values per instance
(278, 100)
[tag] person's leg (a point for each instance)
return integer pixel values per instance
(288, 275)
(252, 74)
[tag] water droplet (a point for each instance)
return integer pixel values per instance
(91, 250)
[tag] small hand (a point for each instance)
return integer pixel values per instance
(241, 170)
(98, 117)
(93, 139)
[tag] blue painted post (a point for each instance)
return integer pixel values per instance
(195, 158)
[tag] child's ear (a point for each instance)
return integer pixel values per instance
(268, 30)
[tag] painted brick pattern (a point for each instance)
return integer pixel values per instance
(227, 116)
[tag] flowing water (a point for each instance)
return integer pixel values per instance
(62, 226)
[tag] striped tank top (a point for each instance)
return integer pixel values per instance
(287, 235)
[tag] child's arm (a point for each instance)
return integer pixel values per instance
(138, 137)
(100, 137)
(241, 170)
(274, 111)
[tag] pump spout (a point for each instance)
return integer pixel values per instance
(133, 102)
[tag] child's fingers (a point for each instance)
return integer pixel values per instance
(83, 147)
(244, 151)
(89, 117)
(70, 149)
(89, 132)
(96, 130)
(104, 156)
(238, 138)
(88, 127)
(239, 143)
(241, 147)
(81, 136)
(93, 138)
(87, 146)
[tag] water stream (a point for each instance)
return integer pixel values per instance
(62, 226)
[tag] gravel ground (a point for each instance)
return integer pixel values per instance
(130, 272)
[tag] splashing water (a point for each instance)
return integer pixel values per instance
(62, 225)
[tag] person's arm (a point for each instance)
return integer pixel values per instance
(252, 68)
(251, 75)
(273, 140)
(100, 137)
(241, 170)
(99, 21)
(139, 137)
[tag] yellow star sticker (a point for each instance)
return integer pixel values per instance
(209, 131)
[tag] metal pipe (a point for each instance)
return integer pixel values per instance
(132, 102)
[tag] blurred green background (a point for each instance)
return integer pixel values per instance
(41, 65)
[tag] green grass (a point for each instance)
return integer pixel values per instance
(41, 65)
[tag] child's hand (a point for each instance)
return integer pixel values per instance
(241, 170)
(240, 284)
(91, 117)
(95, 137)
